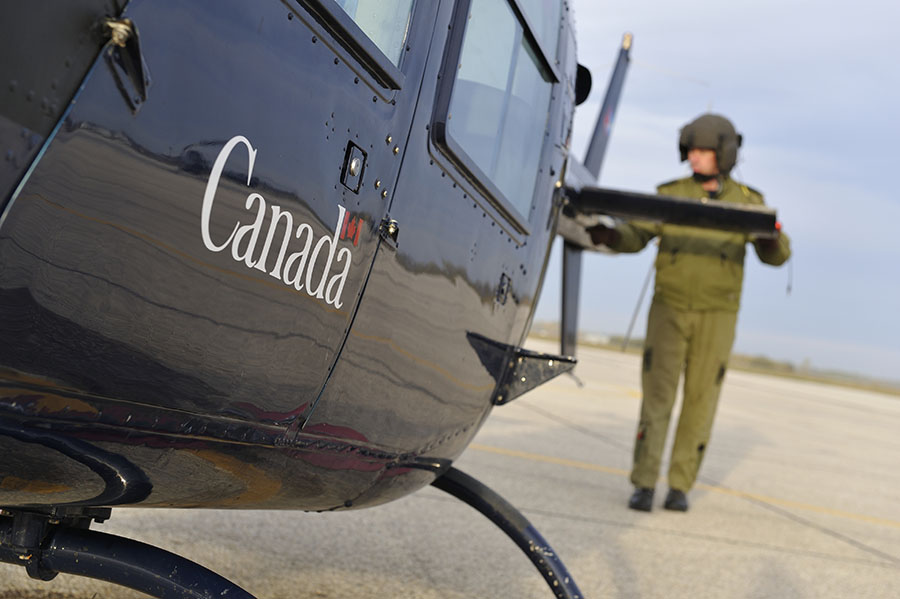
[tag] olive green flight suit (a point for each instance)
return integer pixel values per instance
(699, 275)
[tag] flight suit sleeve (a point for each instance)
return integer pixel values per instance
(634, 236)
(774, 251)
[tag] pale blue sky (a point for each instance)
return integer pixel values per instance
(814, 87)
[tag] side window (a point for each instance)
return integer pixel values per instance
(544, 17)
(385, 22)
(499, 103)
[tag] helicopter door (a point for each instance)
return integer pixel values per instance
(198, 233)
(462, 255)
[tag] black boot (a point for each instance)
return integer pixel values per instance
(641, 499)
(676, 500)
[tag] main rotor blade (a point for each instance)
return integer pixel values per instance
(571, 289)
(597, 148)
(586, 174)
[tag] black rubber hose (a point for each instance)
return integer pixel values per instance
(124, 482)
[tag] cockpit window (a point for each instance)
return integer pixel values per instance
(544, 16)
(500, 101)
(385, 22)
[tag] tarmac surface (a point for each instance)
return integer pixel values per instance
(799, 496)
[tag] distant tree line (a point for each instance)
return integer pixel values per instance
(758, 363)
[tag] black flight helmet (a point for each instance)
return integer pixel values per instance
(712, 132)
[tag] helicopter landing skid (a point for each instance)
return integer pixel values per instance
(515, 525)
(59, 541)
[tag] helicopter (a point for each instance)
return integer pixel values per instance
(280, 255)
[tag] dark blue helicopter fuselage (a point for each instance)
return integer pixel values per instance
(257, 284)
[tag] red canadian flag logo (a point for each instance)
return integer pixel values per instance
(351, 228)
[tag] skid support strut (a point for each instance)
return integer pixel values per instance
(47, 544)
(515, 525)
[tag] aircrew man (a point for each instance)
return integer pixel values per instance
(691, 326)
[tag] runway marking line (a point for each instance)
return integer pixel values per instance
(716, 489)
(629, 391)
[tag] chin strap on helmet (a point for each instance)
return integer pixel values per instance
(701, 178)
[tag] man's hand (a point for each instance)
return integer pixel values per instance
(770, 243)
(603, 235)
